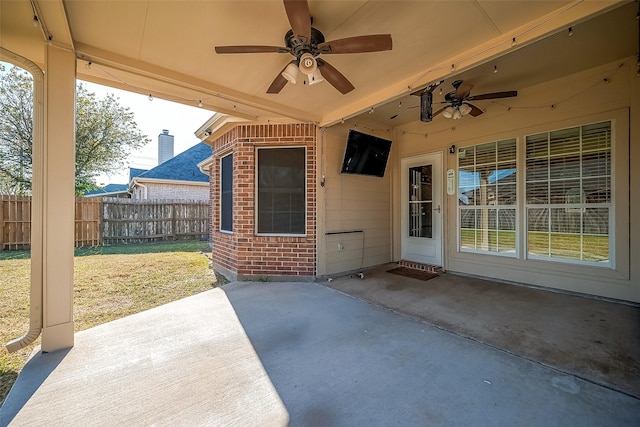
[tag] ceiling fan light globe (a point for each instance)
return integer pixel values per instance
(290, 73)
(448, 112)
(308, 64)
(465, 109)
(315, 77)
(457, 115)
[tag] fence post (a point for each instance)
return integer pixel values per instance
(2, 201)
(100, 231)
(173, 221)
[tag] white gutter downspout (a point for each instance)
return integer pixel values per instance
(37, 203)
(144, 187)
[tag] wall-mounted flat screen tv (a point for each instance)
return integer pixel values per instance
(365, 154)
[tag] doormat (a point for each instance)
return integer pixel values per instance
(412, 273)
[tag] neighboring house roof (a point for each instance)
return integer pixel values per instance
(182, 167)
(133, 172)
(469, 181)
(108, 190)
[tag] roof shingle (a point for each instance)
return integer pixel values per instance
(182, 167)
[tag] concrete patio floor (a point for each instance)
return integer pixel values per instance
(590, 338)
(297, 354)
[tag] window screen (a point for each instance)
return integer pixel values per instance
(226, 193)
(281, 191)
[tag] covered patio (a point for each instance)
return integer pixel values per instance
(400, 352)
(357, 354)
(572, 65)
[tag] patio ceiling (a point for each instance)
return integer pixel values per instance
(166, 48)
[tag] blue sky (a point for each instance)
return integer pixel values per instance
(152, 117)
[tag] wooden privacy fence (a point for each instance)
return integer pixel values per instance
(15, 222)
(111, 221)
(87, 226)
(141, 221)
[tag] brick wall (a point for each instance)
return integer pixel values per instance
(242, 253)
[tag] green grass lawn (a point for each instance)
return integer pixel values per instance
(565, 245)
(499, 240)
(109, 283)
(556, 245)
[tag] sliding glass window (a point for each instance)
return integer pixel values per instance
(568, 187)
(487, 197)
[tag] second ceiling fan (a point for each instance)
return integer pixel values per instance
(458, 101)
(305, 44)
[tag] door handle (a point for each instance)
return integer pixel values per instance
(437, 209)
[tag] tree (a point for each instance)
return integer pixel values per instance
(16, 125)
(105, 134)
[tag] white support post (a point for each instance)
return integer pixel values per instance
(59, 198)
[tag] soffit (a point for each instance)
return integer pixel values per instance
(166, 47)
(606, 38)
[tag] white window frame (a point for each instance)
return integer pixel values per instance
(610, 264)
(516, 206)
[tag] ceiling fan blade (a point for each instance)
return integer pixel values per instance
(475, 111)
(299, 17)
(493, 95)
(251, 49)
(279, 82)
(334, 77)
(463, 90)
(359, 44)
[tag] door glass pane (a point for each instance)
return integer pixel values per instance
(420, 202)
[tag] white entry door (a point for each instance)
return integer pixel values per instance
(422, 209)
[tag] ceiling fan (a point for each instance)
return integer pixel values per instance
(458, 101)
(305, 44)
